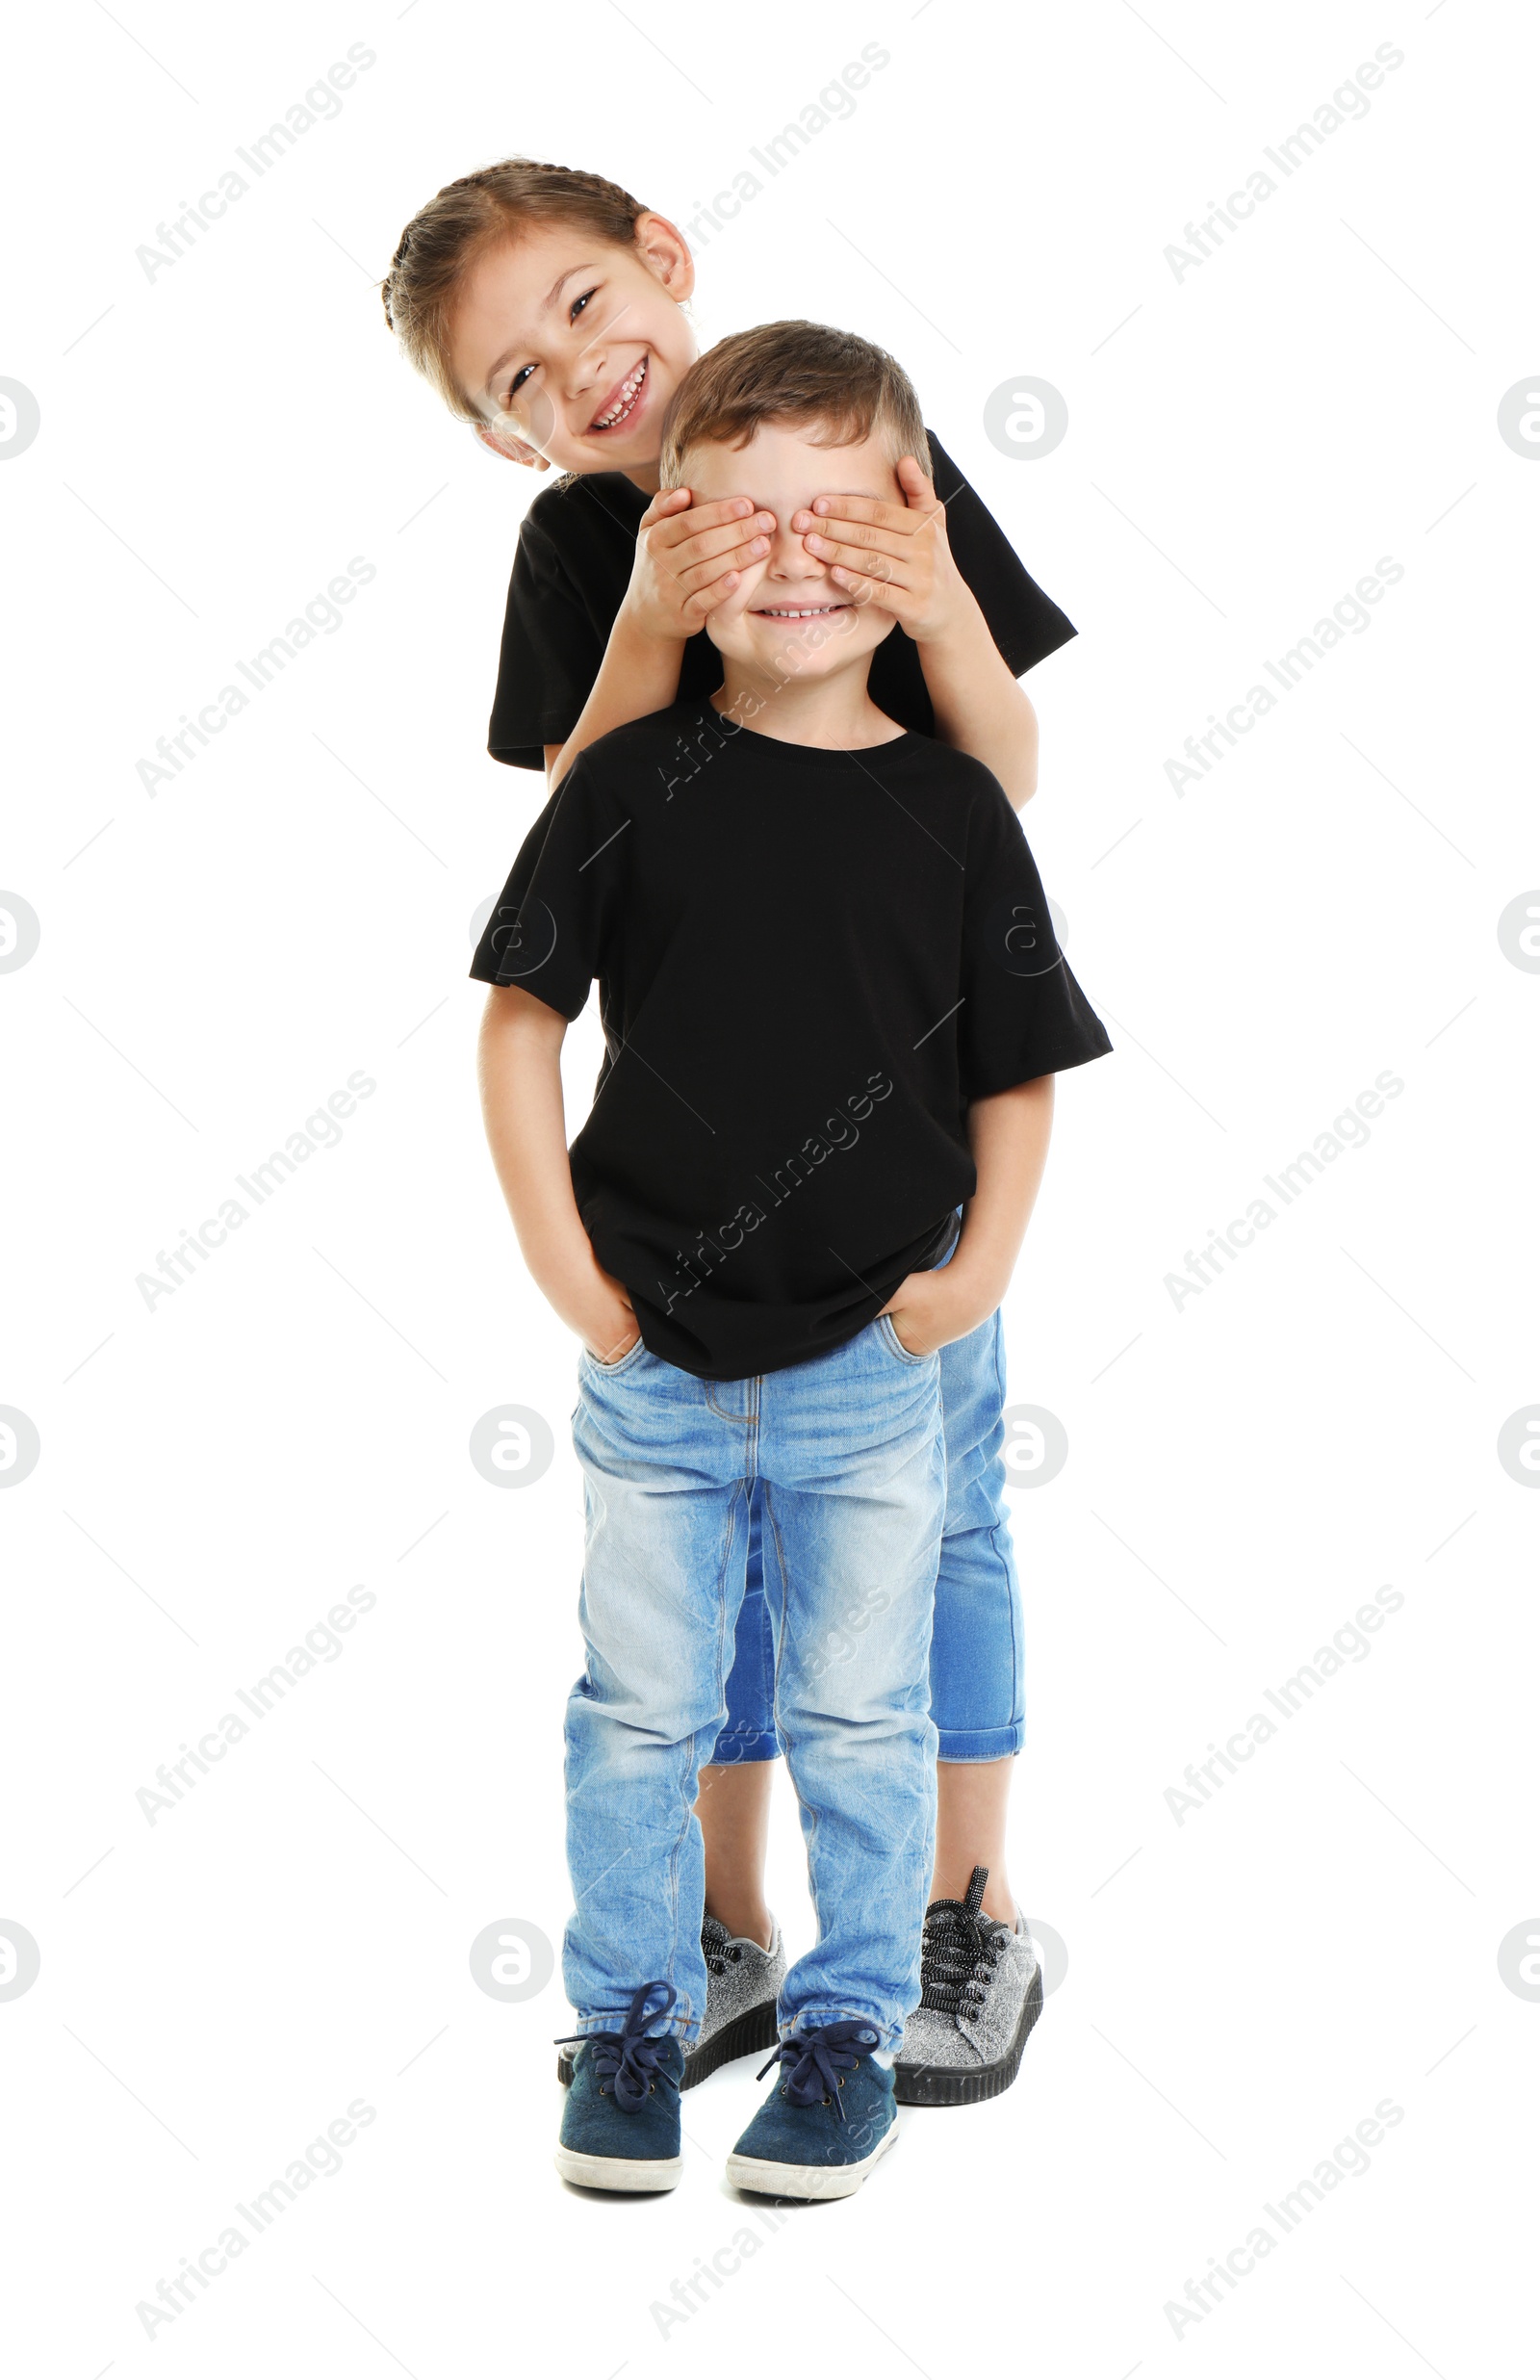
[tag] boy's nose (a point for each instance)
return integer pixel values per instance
(790, 557)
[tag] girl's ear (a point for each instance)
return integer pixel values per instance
(512, 449)
(666, 253)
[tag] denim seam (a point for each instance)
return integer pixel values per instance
(723, 1665)
(1012, 1602)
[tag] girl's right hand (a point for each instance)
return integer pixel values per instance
(689, 558)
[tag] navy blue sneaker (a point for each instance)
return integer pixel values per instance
(828, 2120)
(619, 2128)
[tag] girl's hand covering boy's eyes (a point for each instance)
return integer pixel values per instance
(689, 558)
(893, 556)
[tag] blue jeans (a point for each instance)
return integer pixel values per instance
(845, 1457)
(977, 1665)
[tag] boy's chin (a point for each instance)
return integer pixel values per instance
(781, 648)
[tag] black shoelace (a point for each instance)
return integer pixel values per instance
(718, 1946)
(628, 2061)
(818, 2060)
(959, 1951)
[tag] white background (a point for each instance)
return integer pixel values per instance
(1245, 1470)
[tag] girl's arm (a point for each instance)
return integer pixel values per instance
(1009, 1137)
(688, 559)
(979, 707)
(520, 1068)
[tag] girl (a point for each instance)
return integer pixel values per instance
(546, 305)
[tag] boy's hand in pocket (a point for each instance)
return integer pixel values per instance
(929, 1310)
(689, 558)
(607, 1323)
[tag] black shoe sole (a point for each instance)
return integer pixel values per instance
(754, 2030)
(964, 2086)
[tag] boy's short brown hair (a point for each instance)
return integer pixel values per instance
(793, 372)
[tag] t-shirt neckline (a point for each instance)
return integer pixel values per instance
(750, 738)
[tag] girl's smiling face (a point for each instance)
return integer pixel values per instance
(569, 347)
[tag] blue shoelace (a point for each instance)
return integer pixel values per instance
(819, 2059)
(628, 2059)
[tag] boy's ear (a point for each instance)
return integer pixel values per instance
(666, 253)
(511, 449)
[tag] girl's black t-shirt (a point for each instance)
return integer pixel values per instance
(809, 963)
(577, 545)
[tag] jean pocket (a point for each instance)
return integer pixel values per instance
(621, 1363)
(894, 1344)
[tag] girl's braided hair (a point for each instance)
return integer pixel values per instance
(445, 238)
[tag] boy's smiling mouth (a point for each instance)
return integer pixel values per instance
(797, 612)
(621, 402)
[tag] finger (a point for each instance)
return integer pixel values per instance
(686, 553)
(707, 599)
(888, 597)
(700, 517)
(859, 548)
(917, 482)
(864, 511)
(667, 501)
(895, 572)
(737, 558)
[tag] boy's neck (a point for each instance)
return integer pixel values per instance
(833, 711)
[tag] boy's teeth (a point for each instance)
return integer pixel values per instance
(813, 611)
(623, 404)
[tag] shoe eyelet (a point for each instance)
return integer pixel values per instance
(783, 2090)
(652, 2086)
(829, 2103)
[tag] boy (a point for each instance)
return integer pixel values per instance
(833, 1008)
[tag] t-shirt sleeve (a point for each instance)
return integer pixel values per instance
(1022, 1013)
(549, 659)
(552, 924)
(1026, 624)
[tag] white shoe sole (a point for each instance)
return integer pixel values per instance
(619, 2173)
(776, 2181)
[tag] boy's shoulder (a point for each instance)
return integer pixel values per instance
(640, 742)
(965, 786)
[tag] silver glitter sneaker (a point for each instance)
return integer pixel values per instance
(742, 1984)
(981, 1995)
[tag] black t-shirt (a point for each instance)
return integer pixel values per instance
(578, 544)
(809, 963)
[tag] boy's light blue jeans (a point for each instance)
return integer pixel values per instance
(845, 1456)
(977, 1657)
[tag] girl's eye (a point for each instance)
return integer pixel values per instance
(578, 303)
(516, 384)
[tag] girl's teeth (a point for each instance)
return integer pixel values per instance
(630, 390)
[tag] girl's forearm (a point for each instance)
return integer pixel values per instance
(1009, 1137)
(979, 707)
(638, 675)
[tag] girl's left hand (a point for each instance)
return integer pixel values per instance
(893, 556)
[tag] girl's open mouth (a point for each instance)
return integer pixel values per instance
(623, 402)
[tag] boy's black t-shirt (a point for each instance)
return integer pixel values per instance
(577, 545)
(809, 962)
